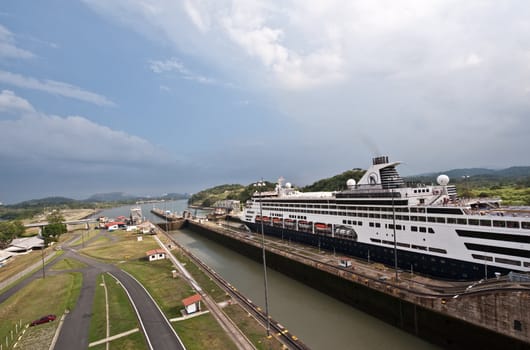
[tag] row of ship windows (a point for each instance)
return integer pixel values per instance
(501, 260)
(440, 220)
(283, 206)
(390, 226)
(413, 246)
(303, 217)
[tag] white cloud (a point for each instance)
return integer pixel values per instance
(174, 65)
(424, 70)
(8, 48)
(55, 88)
(9, 102)
(194, 12)
(35, 136)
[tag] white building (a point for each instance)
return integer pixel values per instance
(25, 245)
(156, 254)
(192, 304)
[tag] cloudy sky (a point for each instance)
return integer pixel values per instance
(155, 96)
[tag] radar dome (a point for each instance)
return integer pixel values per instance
(350, 183)
(442, 180)
(288, 185)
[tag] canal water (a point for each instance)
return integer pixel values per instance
(317, 319)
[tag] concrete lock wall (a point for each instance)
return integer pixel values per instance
(435, 327)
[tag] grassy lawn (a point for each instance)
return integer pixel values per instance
(22, 262)
(99, 240)
(121, 315)
(156, 277)
(202, 279)
(68, 264)
(83, 236)
(252, 328)
(51, 295)
(98, 322)
(203, 332)
(126, 248)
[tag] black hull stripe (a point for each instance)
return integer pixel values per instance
(498, 250)
(424, 263)
(494, 236)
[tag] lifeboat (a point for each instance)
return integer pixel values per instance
(322, 227)
(289, 222)
(304, 225)
(277, 222)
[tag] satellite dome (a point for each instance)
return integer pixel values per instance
(350, 183)
(442, 180)
(288, 185)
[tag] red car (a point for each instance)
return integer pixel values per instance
(43, 319)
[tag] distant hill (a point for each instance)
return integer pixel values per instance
(207, 197)
(123, 197)
(175, 196)
(29, 208)
(334, 183)
(483, 181)
(43, 202)
(110, 197)
(512, 172)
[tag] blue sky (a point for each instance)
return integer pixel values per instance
(156, 96)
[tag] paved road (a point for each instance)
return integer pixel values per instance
(74, 334)
(75, 330)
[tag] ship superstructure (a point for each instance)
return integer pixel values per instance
(433, 231)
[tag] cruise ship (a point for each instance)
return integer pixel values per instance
(428, 227)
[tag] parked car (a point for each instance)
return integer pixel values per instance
(43, 319)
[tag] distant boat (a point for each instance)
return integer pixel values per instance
(176, 221)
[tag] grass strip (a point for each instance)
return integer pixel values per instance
(206, 283)
(251, 328)
(125, 248)
(98, 321)
(68, 264)
(122, 317)
(203, 332)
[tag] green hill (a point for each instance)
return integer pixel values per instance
(335, 183)
(207, 197)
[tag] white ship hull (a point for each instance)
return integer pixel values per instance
(433, 232)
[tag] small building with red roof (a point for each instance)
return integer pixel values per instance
(156, 254)
(192, 304)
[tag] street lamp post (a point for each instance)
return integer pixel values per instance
(260, 184)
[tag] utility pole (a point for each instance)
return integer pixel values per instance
(259, 185)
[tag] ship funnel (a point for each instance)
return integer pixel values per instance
(380, 160)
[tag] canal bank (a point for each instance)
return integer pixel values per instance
(437, 317)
